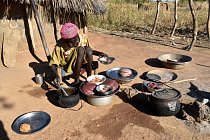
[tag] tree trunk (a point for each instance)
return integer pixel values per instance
(175, 19)
(195, 25)
(156, 17)
(208, 21)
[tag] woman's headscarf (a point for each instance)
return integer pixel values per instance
(69, 30)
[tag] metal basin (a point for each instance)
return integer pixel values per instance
(174, 61)
(114, 74)
(99, 100)
(36, 119)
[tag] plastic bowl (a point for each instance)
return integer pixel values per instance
(96, 79)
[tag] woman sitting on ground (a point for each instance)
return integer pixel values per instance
(72, 52)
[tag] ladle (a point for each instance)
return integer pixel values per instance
(66, 94)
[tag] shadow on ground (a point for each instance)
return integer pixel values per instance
(139, 100)
(3, 133)
(153, 62)
(5, 104)
(196, 93)
(54, 98)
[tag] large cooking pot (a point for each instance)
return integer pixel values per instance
(166, 102)
(71, 100)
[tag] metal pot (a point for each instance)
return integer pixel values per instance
(166, 102)
(71, 100)
(100, 100)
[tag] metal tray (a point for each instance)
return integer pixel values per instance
(36, 119)
(114, 74)
(165, 75)
(99, 96)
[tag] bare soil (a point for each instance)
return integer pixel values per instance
(122, 119)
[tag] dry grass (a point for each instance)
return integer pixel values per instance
(126, 17)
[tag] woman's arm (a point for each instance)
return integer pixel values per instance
(57, 78)
(98, 53)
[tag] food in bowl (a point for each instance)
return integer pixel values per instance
(154, 85)
(96, 79)
(111, 83)
(125, 72)
(104, 89)
(24, 127)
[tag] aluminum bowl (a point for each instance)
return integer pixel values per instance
(114, 74)
(101, 91)
(174, 61)
(99, 100)
(106, 60)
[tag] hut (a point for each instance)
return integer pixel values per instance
(18, 27)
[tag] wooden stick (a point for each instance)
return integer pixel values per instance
(156, 17)
(180, 81)
(41, 32)
(32, 34)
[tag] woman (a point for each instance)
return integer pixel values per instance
(71, 52)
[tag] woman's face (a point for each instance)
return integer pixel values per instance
(73, 42)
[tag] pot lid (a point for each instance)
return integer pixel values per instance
(167, 93)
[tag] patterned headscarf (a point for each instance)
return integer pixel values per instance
(69, 30)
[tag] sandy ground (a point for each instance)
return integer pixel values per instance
(122, 119)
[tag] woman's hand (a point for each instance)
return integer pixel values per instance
(58, 81)
(101, 54)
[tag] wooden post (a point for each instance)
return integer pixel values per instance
(175, 18)
(195, 25)
(41, 32)
(208, 21)
(32, 34)
(156, 17)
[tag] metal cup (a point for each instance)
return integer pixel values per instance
(39, 79)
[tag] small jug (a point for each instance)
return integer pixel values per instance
(39, 79)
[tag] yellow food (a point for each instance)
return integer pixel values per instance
(24, 127)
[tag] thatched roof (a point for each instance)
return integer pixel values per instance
(95, 6)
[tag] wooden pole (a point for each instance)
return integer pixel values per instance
(208, 21)
(195, 25)
(41, 32)
(175, 18)
(156, 17)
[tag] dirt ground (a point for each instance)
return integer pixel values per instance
(123, 118)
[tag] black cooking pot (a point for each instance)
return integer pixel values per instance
(71, 100)
(166, 102)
